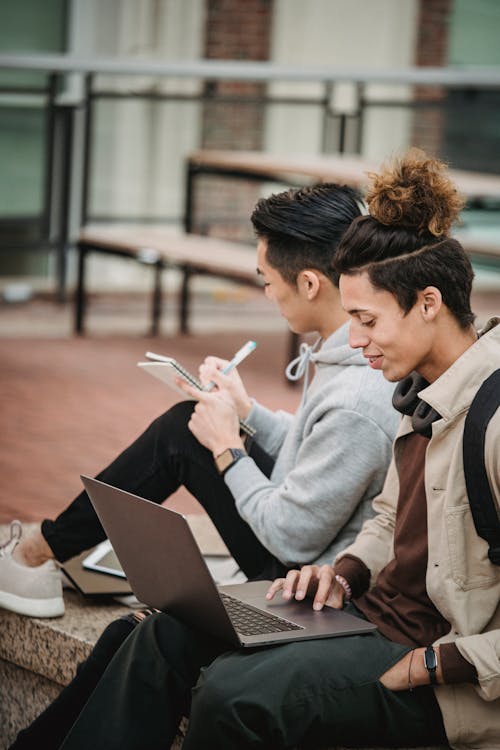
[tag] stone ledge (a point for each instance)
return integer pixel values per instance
(53, 647)
(38, 657)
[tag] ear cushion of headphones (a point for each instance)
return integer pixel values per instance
(422, 419)
(405, 398)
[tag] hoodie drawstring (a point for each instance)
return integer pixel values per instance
(299, 367)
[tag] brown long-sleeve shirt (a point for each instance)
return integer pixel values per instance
(399, 604)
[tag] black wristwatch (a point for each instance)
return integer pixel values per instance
(431, 662)
(228, 458)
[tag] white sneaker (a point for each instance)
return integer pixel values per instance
(36, 592)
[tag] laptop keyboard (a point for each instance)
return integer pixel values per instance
(250, 621)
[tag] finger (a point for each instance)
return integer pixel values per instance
(209, 369)
(275, 587)
(216, 362)
(324, 587)
(306, 575)
(290, 583)
(337, 596)
(188, 389)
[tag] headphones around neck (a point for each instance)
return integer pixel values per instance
(405, 400)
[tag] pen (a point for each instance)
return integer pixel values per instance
(240, 355)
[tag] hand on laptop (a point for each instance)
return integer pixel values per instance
(314, 581)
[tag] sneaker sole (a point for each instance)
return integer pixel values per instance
(32, 607)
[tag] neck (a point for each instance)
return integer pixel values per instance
(449, 345)
(330, 314)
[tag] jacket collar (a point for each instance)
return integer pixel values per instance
(453, 392)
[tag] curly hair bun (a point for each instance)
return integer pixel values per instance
(415, 192)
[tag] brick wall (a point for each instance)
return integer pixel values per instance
(431, 51)
(235, 30)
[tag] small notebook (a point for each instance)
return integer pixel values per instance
(167, 369)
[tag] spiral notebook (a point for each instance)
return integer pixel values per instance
(168, 369)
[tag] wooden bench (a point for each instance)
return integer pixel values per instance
(479, 189)
(163, 248)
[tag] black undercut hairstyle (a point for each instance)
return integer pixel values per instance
(303, 227)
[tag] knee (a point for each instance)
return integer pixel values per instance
(111, 639)
(223, 705)
(176, 418)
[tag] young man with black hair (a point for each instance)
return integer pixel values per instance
(299, 468)
(418, 570)
(303, 488)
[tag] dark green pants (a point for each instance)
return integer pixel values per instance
(314, 693)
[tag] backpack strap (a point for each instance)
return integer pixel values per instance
(482, 503)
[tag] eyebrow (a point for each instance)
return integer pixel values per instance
(259, 272)
(357, 311)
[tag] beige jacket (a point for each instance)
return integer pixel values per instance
(461, 581)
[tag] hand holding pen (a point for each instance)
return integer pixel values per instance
(223, 374)
(240, 355)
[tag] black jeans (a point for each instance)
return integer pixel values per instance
(48, 731)
(312, 693)
(162, 459)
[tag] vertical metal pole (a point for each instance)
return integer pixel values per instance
(80, 297)
(185, 298)
(50, 125)
(157, 299)
(342, 132)
(87, 140)
(326, 116)
(66, 125)
(189, 197)
(360, 116)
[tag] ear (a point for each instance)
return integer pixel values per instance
(430, 302)
(308, 284)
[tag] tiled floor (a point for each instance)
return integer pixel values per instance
(69, 405)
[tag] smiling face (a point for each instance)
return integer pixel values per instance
(393, 342)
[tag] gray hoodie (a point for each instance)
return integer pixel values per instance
(331, 458)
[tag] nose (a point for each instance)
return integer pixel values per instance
(358, 336)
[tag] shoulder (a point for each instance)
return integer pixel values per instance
(356, 389)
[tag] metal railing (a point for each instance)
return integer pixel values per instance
(338, 127)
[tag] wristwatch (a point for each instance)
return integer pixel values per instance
(431, 662)
(228, 458)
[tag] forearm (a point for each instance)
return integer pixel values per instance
(271, 426)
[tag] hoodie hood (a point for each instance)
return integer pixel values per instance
(334, 350)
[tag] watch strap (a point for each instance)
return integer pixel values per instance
(228, 458)
(430, 663)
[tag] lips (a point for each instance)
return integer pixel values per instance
(374, 360)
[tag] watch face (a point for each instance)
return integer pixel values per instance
(227, 458)
(430, 659)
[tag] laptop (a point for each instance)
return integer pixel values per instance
(166, 571)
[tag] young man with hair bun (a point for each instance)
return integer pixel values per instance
(430, 674)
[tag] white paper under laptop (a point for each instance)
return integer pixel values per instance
(166, 570)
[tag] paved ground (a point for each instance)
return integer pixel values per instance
(69, 405)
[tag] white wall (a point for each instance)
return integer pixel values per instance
(137, 165)
(345, 34)
(138, 159)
